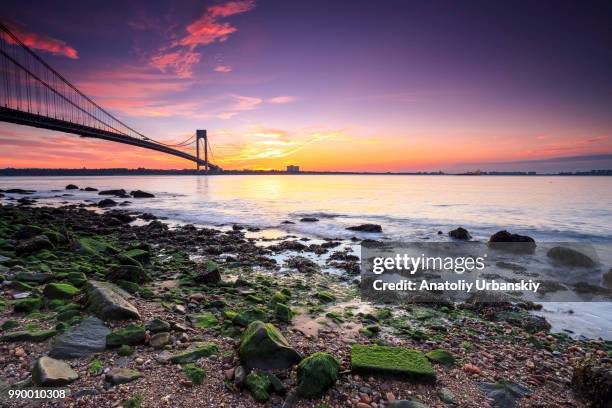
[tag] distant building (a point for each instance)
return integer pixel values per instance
(293, 169)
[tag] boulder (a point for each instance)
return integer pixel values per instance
(570, 257)
(309, 219)
(72, 187)
(248, 316)
(34, 337)
(263, 346)
(592, 381)
(157, 325)
(131, 273)
(316, 374)
(512, 242)
(37, 277)
(440, 356)
(107, 202)
(460, 233)
(391, 361)
(366, 228)
(117, 193)
(159, 340)
(141, 194)
(83, 340)
(109, 302)
(32, 245)
(27, 305)
(505, 393)
(49, 372)
(131, 335)
(28, 231)
(208, 272)
(193, 355)
(60, 291)
(122, 375)
(90, 189)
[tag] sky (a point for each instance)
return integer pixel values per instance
(390, 85)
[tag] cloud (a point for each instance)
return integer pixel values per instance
(226, 115)
(223, 68)
(282, 99)
(245, 103)
(43, 43)
(181, 55)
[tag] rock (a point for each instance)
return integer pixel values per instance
(157, 325)
(447, 396)
(512, 242)
(159, 340)
(239, 376)
(530, 323)
(32, 245)
(76, 278)
(203, 320)
(27, 305)
(440, 356)
(570, 257)
(607, 278)
(504, 393)
(19, 191)
(325, 297)
(248, 316)
(195, 354)
(117, 193)
(38, 277)
(28, 231)
(263, 346)
(366, 228)
(460, 233)
(72, 187)
(180, 309)
(130, 273)
(122, 375)
(141, 194)
(34, 337)
(109, 302)
(49, 372)
(131, 334)
(472, 369)
(407, 363)
(258, 385)
(106, 203)
(309, 219)
(316, 374)
(60, 291)
(592, 380)
(139, 254)
(406, 404)
(83, 340)
(283, 312)
(302, 264)
(90, 189)
(207, 272)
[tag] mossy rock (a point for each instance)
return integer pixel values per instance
(258, 385)
(441, 356)
(67, 307)
(263, 346)
(9, 324)
(60, 291)
(203, 320)
(325, 297)
(248, 316)
(131, 334)
(279, 297)
(195, 374)
(27, 305)
(94, 247)
(76, 278)
(283, 312)
(138, 254)
(128, 286)
(190, 356)
(34, 337)
(22, 287)
(125, 350)
(392, 361)
(316, 374)
(157, 325)
(67, 315)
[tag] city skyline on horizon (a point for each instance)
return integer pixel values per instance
(399, 87)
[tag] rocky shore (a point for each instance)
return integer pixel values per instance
(124, 310)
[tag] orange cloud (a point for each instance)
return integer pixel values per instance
(223, 68)
(43, 43)
(282, 99)
(181, 62)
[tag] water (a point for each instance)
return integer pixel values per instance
(552, 209)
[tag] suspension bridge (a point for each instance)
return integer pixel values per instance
(33, 94)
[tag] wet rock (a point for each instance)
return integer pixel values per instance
(141, 194)
(447, 396)
(373, 228)
(32, 245)
(72, 187)
(157, 325)
(122, 375)
(28, 231)
(258, 385)
(302, 264)
(263, 346)
(607, 278)
(512, 242)
(159, 340)
(38, 277)
(107, 202)
(27, 305)
(440, 356)
(207, 272)
(316, 374)
(384, 360)
(239, 376)
(83, 340)
(90, 189)
(109, 302)
(248, 316)
(19, 191)
(592, 380)
(570, 257)
(131, 273)
(504, 393)
(131, 335)
(60, 291)
(309, 219)
(49, 372)
(117, 193)
(195, 354)
(460, 233)
(34, 337)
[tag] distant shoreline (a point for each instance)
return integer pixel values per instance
(11, 172)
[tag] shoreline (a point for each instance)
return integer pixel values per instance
(324, 315)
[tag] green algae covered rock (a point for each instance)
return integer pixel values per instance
(76, 278)
(440, 356)
(248, 316)
(316, 374)
(263, 346)
(203, 320)
(395, 361)
(131, 334)
(195, 374)
(34, 337)
(139, 255)
(325, 297)
(283, 312)
(157, 325)
(60, 291)
(258, 385)
(94, 247)
(27, 305)
(195, 354)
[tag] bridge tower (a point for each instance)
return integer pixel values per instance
(201, 134)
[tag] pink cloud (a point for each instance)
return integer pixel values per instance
(181, 62)
(223, 68)
(43, 43)
(282, 99)
(231, 8)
